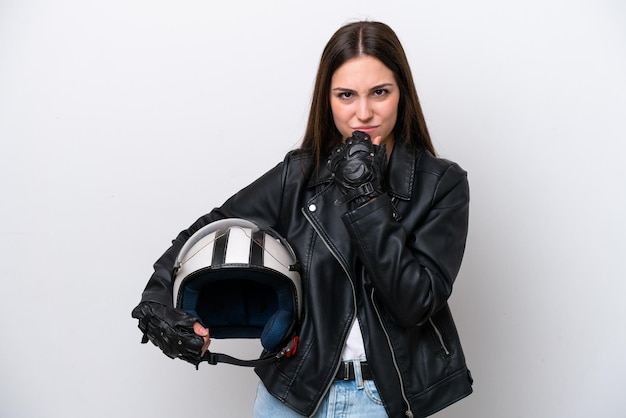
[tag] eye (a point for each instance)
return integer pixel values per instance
(345, 95)
(380, 92)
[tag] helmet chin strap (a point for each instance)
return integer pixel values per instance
(288, 351)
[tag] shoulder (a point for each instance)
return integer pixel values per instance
(414, 171)
(298, 154)
(429, 163)
(445, 179)
(298, 162)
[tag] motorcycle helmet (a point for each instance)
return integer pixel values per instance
(241, 281)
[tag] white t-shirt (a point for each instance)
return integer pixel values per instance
(354, 347)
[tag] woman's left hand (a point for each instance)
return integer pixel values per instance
(358, 166)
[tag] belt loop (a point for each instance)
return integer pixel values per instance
(358, 376)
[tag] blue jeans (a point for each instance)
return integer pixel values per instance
(347, 399)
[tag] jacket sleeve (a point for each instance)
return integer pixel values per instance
(259, 202)
(412, 264)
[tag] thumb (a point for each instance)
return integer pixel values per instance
(377, 139)
(200, 330)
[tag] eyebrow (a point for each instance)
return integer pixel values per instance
(378, 87)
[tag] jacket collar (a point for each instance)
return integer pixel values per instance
(400, 175)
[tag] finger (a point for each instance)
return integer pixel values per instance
(200, 330)
(205, 347)
(377, 140)
(204, 333)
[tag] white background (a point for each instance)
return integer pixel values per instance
(122, 121)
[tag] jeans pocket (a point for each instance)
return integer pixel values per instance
(372, 392)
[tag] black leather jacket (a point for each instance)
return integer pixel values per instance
(391, 263)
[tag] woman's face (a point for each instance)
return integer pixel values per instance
(364, 96)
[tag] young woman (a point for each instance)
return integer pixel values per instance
(378, 224)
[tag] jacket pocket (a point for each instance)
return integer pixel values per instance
(439, 336)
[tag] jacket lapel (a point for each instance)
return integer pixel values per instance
(325, 218)
(400, 175)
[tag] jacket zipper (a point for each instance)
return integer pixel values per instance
(443, 344)
(306, 215)
(408, 413)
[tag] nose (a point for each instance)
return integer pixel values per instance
(364, 110)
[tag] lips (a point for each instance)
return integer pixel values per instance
(367, 129)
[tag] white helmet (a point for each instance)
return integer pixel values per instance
(240, 281)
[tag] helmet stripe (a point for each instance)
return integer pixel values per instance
(257, 248)
(219, 248)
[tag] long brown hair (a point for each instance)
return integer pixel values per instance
(353, 40)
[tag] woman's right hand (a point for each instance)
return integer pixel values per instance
(177, 333)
